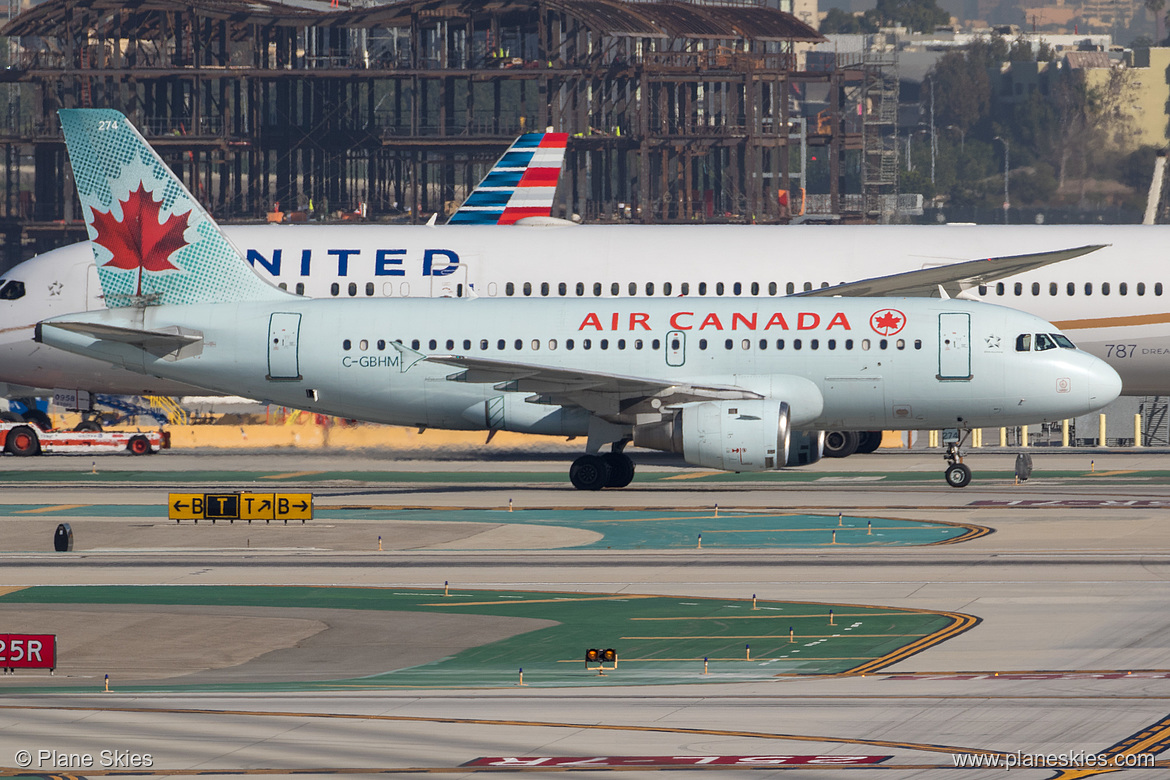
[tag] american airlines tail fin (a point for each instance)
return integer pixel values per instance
(153, 242)
(521, 184)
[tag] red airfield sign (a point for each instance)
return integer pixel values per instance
(28, 651)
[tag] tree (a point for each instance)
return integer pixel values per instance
(917, 15)
(962, 90)
(838, 21)
(1155, 7)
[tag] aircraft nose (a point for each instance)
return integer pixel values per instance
(1104, 383)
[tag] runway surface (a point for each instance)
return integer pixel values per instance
(1063, 648)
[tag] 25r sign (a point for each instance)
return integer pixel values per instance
(28, 651)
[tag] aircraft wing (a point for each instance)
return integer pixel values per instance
(156, 342)
(602, 393)
(954, 278)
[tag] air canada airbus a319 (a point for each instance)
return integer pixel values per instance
(738, 385)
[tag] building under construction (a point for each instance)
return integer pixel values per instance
(677, 111)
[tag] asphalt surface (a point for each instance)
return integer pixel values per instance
(1068, 652)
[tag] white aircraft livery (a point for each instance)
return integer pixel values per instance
(739, 385)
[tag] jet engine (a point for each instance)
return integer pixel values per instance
(748, 435)
(805, 447)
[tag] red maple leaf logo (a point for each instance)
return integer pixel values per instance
(139, 241)
(887, 322)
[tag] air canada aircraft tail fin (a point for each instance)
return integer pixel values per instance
(520, 185)
(153, 243)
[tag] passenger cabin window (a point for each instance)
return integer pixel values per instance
(509, 289)
(1157, 288)
(369, 289)
(719, 288)
(580, 289)
(737, 288)
(352, 289)
(1141, 288)
(789, 288)
(649, 288)
(1088, 288)
(334, 289)
(666, 288)
(983, 289)
(771, 288)
(1053, 288)
(528, 288)
(702, 288)
(1104, 288)
(999, 288)
(1018, 288)
(685, 288)
(755, 288)
(544, 288)
(615, 289)
(1122, 288)
(300, 288)
(563, 289)
(1035, 288)
(1024, 342)
(633, 288)
(1072, 289)
(597, 289)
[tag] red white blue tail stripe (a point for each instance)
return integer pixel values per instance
(521, 183)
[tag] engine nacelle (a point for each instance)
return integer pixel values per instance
(750, 435)
(806, 447)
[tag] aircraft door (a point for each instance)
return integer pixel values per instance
(283, 333)
(954, 346)
(453, 285)
(676, 348)
(448, 274)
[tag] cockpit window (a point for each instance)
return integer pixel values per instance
(1044, 341)
(1062, 341)
(10, 291)
(1024, 342)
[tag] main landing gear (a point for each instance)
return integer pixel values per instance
(958, 474)
(608, 470)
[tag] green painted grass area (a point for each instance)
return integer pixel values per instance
(659, 639)
(276, 478)
(623, 529)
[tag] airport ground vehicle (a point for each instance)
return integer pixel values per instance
(22, 439)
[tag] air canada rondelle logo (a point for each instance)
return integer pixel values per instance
(887, 322)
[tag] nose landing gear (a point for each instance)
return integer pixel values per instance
(958, 474)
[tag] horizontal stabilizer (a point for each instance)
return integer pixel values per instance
(953, 278)
(157, 342)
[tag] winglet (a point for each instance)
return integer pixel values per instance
(521, 184)
(153, 242)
